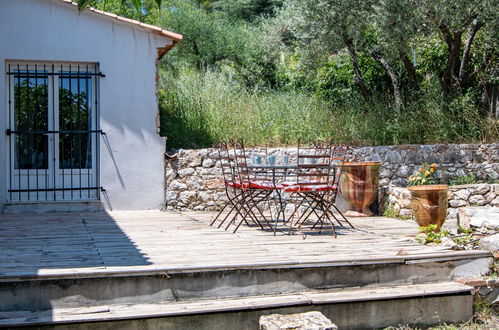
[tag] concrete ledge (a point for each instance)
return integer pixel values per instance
(426, 304)
(53, 207)
(40, 294)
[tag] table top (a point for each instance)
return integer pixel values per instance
(277, 167)
(281, 167)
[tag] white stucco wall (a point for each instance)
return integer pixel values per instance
(46, 30)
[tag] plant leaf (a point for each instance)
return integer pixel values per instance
(138, 4)
(158, 2)
(82, 4)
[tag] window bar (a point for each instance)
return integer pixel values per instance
(61, 145)
(10, 136)
(71, 128)
(54, 179)
(47, 113)
(97, 128)
(36, 137)
(18, 161)
(28, 119)
(89, 135)
(78, 126)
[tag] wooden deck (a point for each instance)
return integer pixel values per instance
(106, 243)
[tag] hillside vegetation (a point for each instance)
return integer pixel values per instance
(354, 71)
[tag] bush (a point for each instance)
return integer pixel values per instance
(199, 108)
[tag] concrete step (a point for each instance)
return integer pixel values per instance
(53, 207)
(169, 285)
(417, 304)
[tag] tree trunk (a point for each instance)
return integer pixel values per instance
(461, 80)
(453, 41)
(393, 77)
(359, 80)
(411, 70)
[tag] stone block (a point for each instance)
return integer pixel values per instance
(177, 186)
(207, 162)
(477, 200)
(481, 189)
(205, 196)
(216, 183)
(463, 194)
(490, 196)
(478, 217)
(186, 172)
(404, 171)
(490, 243)
(302, 321)
(457, 203)
(171, 197)
(393, 156)
(187, 197)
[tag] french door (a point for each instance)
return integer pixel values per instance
(53, 131)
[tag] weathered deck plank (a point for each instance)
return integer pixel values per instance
(151, 240)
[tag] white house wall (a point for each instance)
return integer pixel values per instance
(42, 30)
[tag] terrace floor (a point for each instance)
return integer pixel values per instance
(79, 244)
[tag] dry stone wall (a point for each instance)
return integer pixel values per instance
(397, 200)
(194, 182)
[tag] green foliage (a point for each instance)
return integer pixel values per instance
(199, 108)
(431, 234)
(273, 71)
(390, 212)
(248, 10)
(425, 175)
(463, 179)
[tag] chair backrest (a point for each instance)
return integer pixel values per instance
(313, 164)
(339, 153)
(227, 163)
(245, 174)
(241, 164)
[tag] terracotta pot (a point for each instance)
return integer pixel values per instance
(429, 204)
(359, 187)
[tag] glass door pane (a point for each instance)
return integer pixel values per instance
(29, 86)
(31, 120)
(75, 140)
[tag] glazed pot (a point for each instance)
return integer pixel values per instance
(429, 204)
(359, 187)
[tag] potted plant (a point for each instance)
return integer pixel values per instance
(429, 199)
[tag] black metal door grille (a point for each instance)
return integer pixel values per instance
(53, 131)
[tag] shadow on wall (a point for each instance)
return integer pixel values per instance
(43, 244)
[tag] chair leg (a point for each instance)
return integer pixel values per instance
(342, 215)
(220, 213)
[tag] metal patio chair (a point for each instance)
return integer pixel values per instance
(313, 189)
(231, 186)
(339, 153)
(255, 186)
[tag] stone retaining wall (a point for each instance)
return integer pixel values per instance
(396, 201)
(193, 178)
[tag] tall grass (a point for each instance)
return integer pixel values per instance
(201, 108)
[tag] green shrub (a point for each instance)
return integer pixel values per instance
(199, 108)
(463, 179)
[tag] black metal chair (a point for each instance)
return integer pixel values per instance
(313, 189)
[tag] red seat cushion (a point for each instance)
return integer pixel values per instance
(292, 183)
(232, 184)
(264, 185)
(305, 188)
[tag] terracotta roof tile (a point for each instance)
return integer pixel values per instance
(175, 37)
